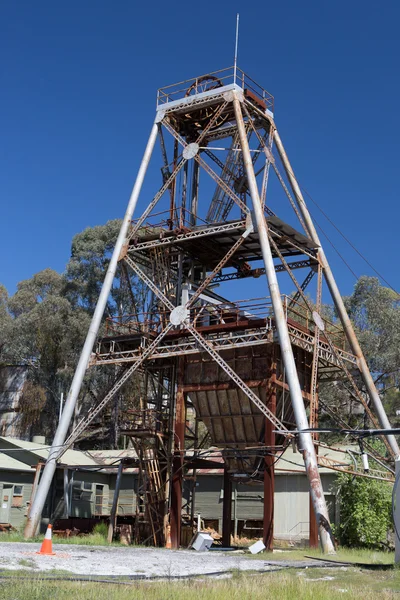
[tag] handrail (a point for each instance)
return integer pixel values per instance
(196, 85)
(204, 314)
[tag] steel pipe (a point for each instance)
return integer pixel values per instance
(305, 439)
(69, 407)
(337, 298)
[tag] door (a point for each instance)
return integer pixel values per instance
(5, 504)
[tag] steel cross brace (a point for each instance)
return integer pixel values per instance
(209, 170)
(270, 158)
(264, 185)
(331, 346)
(314, 368)
(328, 463)
(301, 264)
(288, 269)
(218, 161)
(357, 391)
(300, 291)
(117, 386)
(235, 377)
(345, 425)
(157, 197)
(210, 349)
(173, 175)
(203, 285)
(152, 286)
(219, 266)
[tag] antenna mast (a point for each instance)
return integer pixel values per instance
(236, 48)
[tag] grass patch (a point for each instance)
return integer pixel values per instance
(97, 538)
(290, 585)
(16, 536)
(359, 555)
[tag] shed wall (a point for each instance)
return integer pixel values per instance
(18, 513)
(291, 518)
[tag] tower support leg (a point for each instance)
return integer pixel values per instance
(177, 463)
(269, 474)
(305, 439)
(337, 298)
(69, 408)
(227, 510)
(313, 535)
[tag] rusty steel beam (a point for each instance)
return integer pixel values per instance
(269, 472)
(177, 462)
(226, 385)
(227, 510)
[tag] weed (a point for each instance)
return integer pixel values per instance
(101, 529)
(27, 562)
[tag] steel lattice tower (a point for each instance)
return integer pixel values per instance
(231, 360)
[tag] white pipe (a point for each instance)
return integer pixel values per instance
(69, 408)
(61, 406)
(305, 439)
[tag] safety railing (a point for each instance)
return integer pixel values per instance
(166, 220)
(242, 312)
(212, 81)
(148, 419)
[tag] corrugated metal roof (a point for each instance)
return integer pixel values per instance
(107, 457)
(92, 458)
(10, 463)
(290, 462)
(71, 457)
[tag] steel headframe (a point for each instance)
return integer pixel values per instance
(179, 316)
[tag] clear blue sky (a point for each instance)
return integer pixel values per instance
(79, 81)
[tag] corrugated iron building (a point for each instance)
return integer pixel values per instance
(85, 484)
(292, 505)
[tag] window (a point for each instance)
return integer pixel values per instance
(87, 485)
(17, 498)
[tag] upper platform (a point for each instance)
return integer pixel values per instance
(199, 89)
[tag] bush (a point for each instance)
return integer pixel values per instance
(365, 511)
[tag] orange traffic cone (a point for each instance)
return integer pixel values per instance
(168, 543)
(47, 545)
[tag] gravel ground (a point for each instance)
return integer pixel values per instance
(140, 562)
(136, 562)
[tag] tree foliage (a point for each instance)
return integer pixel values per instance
(44, 325)
(375, 314)
(374, 310)
(90, 255)
(45, 332)
(365, 511)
